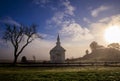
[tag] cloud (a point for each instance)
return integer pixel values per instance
(104, 20)
(57, 18)
(60, 19)
(69, 9)
(53, 5)
(112, 20)
(98, 28)
(86, 20)
(115, 20)
(63, 17)
(76, 33)
(68, 26)
(96, 11)
(41, 1)
(45, 4)
(9, 20)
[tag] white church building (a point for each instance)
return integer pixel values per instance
(57, 54)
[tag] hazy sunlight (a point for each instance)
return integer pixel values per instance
(112, 34)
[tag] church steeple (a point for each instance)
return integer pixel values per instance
(58, 40)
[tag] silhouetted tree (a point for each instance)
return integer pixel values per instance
(93, 45)
(24, 59)
(114, 45)
(20, 37)
(87, 52)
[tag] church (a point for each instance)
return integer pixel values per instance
(57, 54)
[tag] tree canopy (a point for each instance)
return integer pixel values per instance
(93, 45)
(114, 45)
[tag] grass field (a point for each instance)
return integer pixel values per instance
(60, 73)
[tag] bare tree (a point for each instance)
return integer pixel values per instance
(20, 37)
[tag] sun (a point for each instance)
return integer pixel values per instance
(112, 34)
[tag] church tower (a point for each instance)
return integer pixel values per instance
(57, 54)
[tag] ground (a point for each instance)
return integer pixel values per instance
(93, 73)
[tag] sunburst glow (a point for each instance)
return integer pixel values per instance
(112, 34)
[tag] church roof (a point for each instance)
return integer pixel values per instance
(58, 48)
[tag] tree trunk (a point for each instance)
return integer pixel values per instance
(15, 60)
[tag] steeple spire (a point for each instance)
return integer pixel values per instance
(58, 40)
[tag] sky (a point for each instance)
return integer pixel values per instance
(78, 22)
